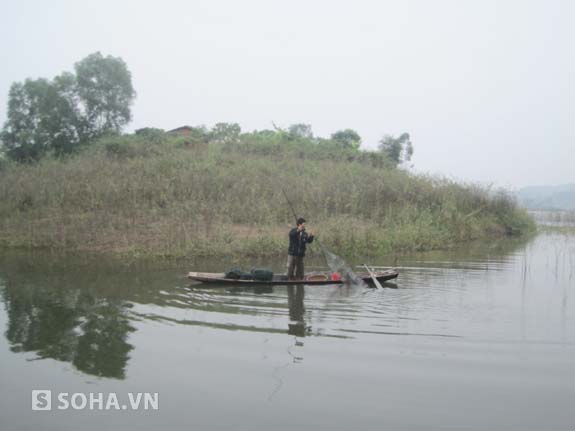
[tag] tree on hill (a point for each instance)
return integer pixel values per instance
(39, 119)
(397, 150)
(225, 132)
(61, 114)
(300, 130)
(347, 138)
(105, 93)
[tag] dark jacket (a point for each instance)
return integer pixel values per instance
(298, 241)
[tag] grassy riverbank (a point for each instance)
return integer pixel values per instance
(173, 197)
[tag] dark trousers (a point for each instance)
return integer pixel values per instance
(295, 267)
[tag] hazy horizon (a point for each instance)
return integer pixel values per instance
(484, 88)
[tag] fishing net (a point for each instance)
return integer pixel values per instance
(337, 264)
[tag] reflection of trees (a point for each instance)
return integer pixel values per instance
(102, 349)
(68, 325)
(39, 324)
(75, 310)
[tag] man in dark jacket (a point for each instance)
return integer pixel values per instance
(298, 238)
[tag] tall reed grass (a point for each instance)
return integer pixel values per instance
(171, 197)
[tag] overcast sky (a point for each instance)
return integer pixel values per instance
(485, 88)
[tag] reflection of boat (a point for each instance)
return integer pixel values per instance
(314, 279)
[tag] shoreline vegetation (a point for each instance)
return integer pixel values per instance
(156, 194)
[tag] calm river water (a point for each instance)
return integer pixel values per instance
(480, 338)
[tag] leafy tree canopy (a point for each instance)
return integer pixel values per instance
(61, 114)
(105, 92)
(300, 130)
(348, 138)
(226, 132)
(397, 150)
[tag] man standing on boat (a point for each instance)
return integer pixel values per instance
(298, 238)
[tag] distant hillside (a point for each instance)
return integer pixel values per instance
(548, 197)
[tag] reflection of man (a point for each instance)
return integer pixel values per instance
(296, 324)
(298, 238)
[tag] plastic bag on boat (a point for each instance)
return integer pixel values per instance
(262, 274)
(238, 274)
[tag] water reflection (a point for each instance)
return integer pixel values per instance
(69, 325)
(469, 320)
(84, 316)
(296, 311)
(84, 312)
(62, 314)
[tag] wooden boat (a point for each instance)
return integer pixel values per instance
(314, 279)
